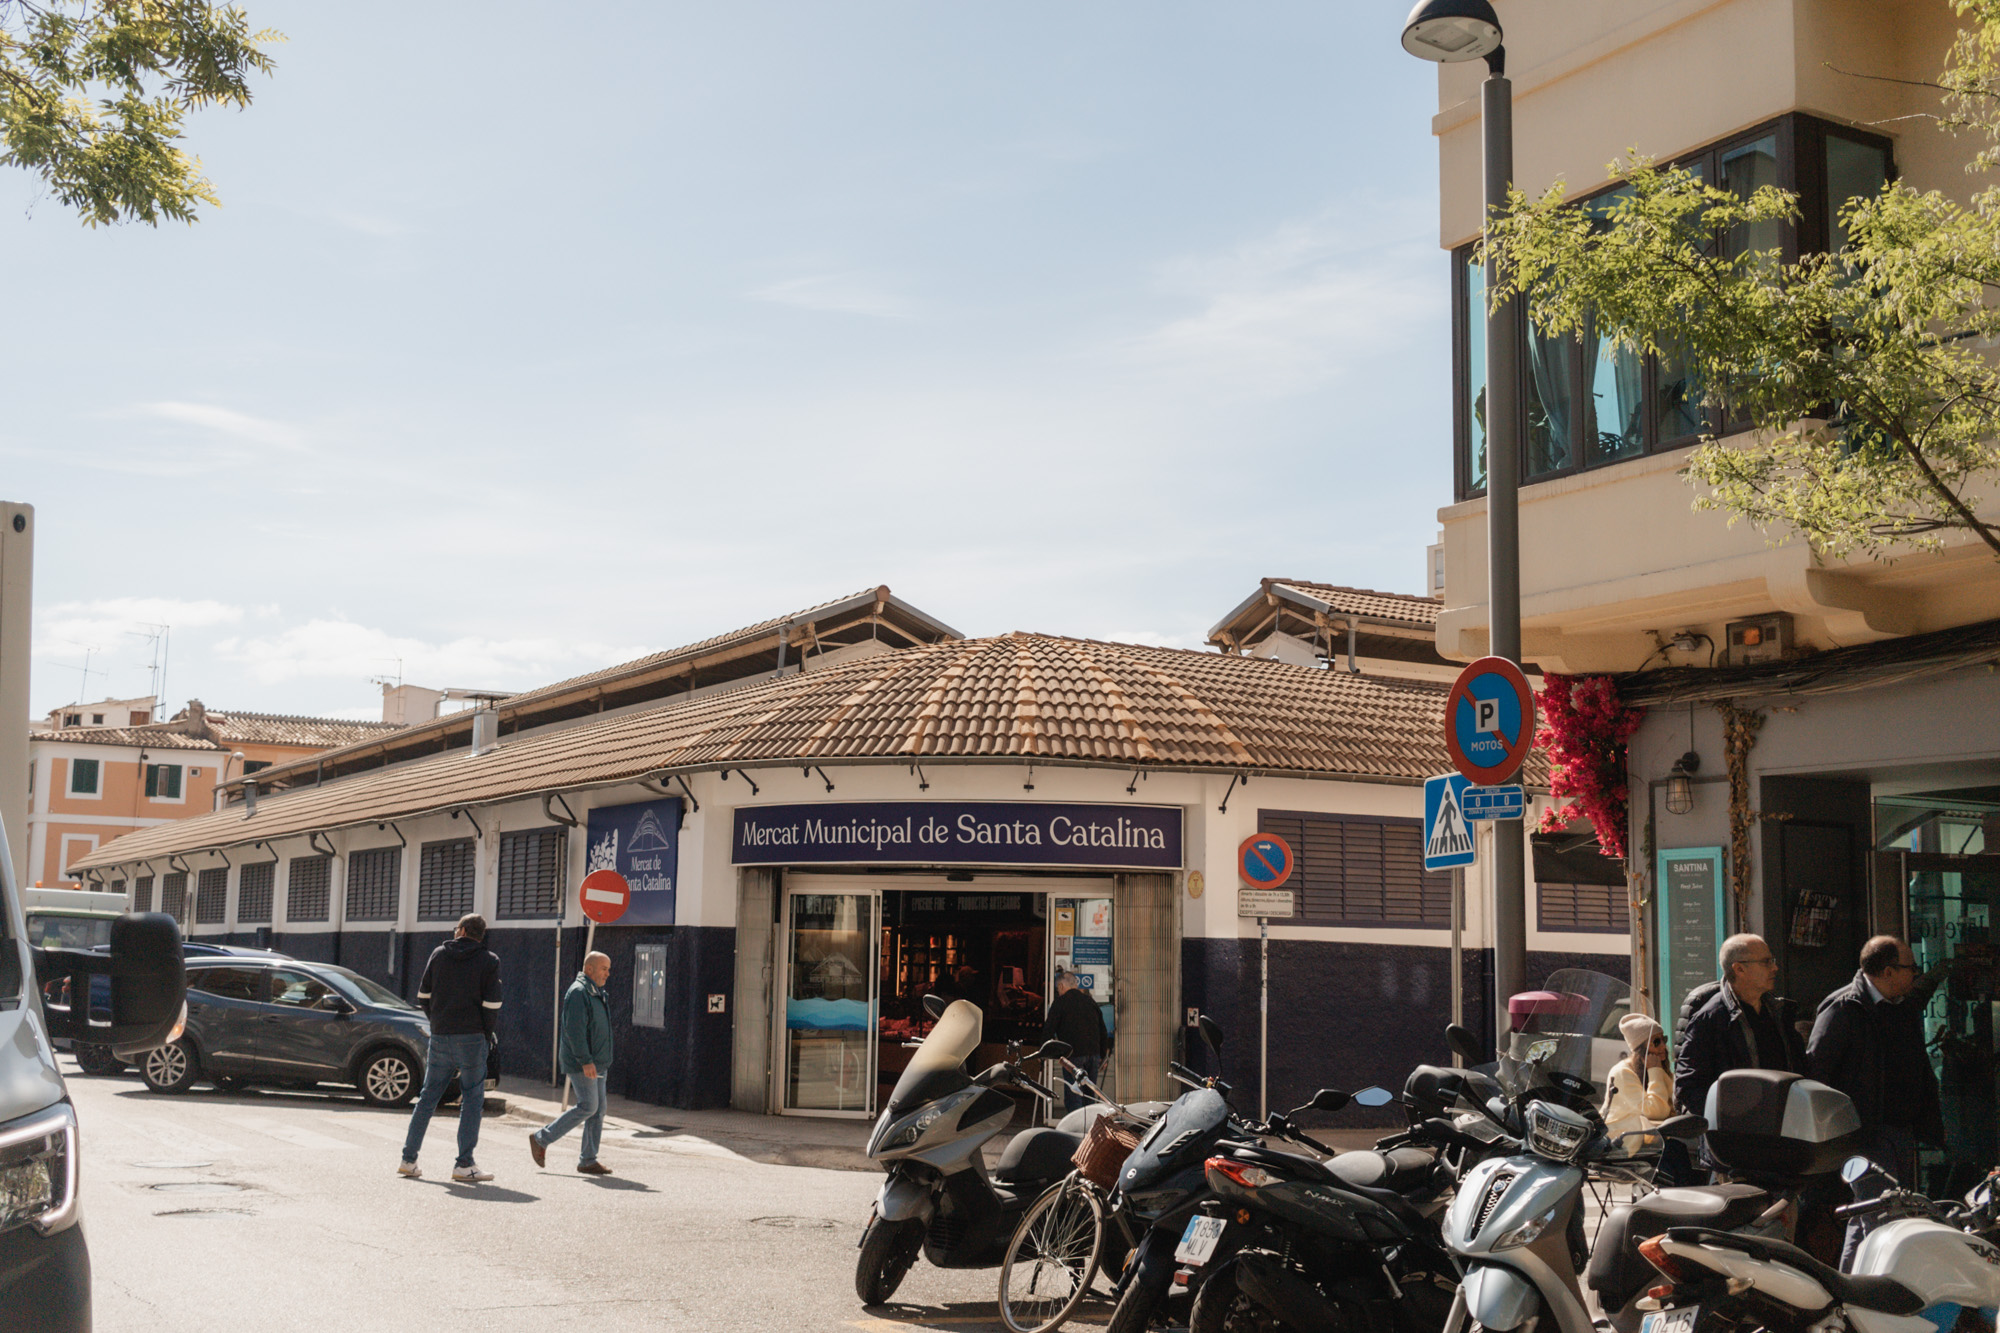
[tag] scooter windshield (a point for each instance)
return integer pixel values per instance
(1569, 1026)
(936, 1068)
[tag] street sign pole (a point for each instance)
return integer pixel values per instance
(1264, 1021)
(1458, 953)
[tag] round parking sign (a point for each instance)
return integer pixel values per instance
(1489, 721)
(1266, 860)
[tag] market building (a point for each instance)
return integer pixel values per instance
(825, 815)
(1819, 757)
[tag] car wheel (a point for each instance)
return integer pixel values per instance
(94, 1059)
(171, 1068)
(388, 1078)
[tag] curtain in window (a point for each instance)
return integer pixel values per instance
(1745, 169)
(1616, 420)
(1475, 376)
(1549, 416)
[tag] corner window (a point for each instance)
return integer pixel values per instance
(83, 777)
(1584, 405)
(255, 766)
(163, 782)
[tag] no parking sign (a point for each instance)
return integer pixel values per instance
(1489, 721)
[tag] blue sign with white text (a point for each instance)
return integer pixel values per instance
(642, 842)
(1508, 802)
(1447, 837)
(1007, 833)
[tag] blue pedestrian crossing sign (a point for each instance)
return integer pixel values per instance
(1507, 802)
(1447, 837)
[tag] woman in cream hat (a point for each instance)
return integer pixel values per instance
(1640, 1092)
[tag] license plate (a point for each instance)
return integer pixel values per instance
(1681, 1320)
(1198, 1242)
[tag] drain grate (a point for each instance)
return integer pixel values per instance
(172, 1166)
(197, 1187)
(794, 1223)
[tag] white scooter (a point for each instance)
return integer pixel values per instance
(1930, 1268)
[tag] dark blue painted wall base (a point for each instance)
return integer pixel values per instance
(1343, 1014)
(683, 1064)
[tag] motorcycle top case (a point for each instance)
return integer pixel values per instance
(1769, 1122)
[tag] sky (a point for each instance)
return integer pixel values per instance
(530, 340)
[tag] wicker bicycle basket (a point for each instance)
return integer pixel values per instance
(1103, 1151)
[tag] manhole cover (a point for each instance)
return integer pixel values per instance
(794, 1223)
(196, 1187)
(172, 1166)
(207, 1212)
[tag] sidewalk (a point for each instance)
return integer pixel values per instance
(790, 1140)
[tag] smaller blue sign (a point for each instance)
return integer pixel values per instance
(1507, 802)
(1090, 951)
(1447, 837)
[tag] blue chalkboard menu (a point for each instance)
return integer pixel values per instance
(1688, 888)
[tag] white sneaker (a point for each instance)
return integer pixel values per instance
(410, 1169)
(470, 1175)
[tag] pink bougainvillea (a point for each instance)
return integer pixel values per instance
(1584, 730)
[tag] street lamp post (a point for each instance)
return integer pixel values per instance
(1449, 31)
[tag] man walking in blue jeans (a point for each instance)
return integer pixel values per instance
(585, 1055)
(460, 991)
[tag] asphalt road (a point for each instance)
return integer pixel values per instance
(283, 1210)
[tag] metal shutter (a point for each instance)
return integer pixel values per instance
(374, 884)
(253, 893)
(446, 874)
(173, 894)
(1596, 909)
(306, 882)
(142, 894)
(211, 896)
(1361, 872)
(529, 879)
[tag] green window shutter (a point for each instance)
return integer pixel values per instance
(152, 780)
(83, 776)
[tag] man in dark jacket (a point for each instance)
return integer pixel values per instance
(1868, 1041)
(1075, 1018)
(1741, 1026)
(460, 991)
(584, 1052)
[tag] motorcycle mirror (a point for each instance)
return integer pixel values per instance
(935, 1005)
(1686, 1128)
(1857, 1168)
(1374, 1097)
(1328, 1099)
(1459, 1037)
(1053, 1050)
(1211, 1032)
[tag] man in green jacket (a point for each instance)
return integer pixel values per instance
(585, 1056)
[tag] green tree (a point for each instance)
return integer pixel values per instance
(94, 93)
(1865, 377)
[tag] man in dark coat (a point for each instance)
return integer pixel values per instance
(460, 991)
(1075, 1018)
(1741, 1026)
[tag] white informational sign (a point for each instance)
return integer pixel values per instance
(1264, 902)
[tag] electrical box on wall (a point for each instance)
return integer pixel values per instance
(1764, 639)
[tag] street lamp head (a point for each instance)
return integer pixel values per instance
(1449, 31)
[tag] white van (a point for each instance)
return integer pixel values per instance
(72, 918)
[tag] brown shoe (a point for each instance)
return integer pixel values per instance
(593, 1169)
(537, 1151)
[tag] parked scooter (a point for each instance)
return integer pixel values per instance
(1930, 1266)
(938, 1199)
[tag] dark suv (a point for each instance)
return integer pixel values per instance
(275, 1020)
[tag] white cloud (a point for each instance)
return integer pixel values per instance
(1297, 305)
(332, 648)
(227, 422)
(836, 293)
(113, 625)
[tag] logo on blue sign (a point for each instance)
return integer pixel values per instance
(642, 843)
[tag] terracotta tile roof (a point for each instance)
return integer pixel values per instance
(1304, 608)
(149, 738)
(286, 729)
(1407, 608)
(1015, 697)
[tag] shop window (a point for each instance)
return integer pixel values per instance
(447, 873)
(211, 896)
(307, 894)
(142, 894)
(83, 777)
(1584, 405)
(173, 895)
(1594, 909)
(649, 985)
(1355, 871)
(163, 782)
(253, 892)
(530, 883)
(374, 884)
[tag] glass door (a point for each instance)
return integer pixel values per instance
(1952, 905)
(829, 993)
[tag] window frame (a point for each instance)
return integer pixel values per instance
(1615, 894)
(211, 896)
(1801, 152)
(366, 858)
(256, 901)
(155, 773)
(510, 866)
(96, 790)
(649, 1000)
(447, 875)
(318, 862)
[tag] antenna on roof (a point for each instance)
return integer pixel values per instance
(157, 637)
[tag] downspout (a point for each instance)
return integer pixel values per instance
(569, 820)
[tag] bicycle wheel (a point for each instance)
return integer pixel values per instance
(1051, 1258)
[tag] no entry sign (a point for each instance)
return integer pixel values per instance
(1489, 721)
(1266, 860)
(604, 896)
